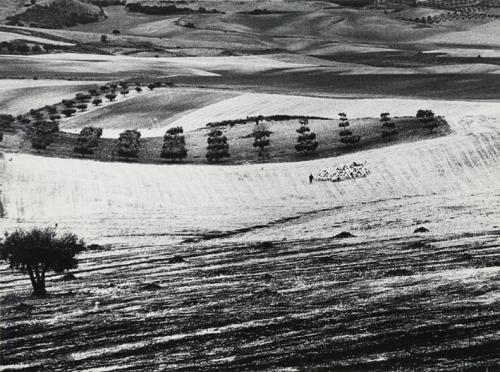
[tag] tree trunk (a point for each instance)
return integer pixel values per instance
(38, 282)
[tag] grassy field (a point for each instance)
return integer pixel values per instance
(283, 140)
(388, 299)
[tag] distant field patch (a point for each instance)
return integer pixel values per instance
(9, 36)
(17, 96)
(150, 112)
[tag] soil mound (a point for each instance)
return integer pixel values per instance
(344, 235)
(68, 277)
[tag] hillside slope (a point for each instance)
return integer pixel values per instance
(57, 14)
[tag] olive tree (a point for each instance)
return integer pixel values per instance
(346, 136)
(261, 134)
(42, 134)
(306, 141)
(87, 141)
(38, 251)
(128, 144)
(388, 126)
(217, 148)
(174, 144)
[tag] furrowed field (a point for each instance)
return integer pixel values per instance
(272, 288)
(246, 265)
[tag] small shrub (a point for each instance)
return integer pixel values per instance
(68, 112)
(81, 106)
(110, 97)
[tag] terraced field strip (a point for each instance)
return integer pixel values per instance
(18, 96)
(151, 112)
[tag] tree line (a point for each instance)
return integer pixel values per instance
(42, 133)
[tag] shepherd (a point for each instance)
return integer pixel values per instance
(311, 178)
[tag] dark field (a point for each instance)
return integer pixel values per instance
(370, 303)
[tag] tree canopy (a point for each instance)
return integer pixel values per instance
(128, 144)
(174, 144)
(39, 251)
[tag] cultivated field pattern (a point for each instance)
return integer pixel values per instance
(381, 300)
(250, 263)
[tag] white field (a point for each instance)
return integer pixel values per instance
(121, 202)
(215, 300)
(251, 104)
(199, 65)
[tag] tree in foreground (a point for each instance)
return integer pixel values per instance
(174, 144)
(87, 141)
(97, 102)
(346, 136)
(217, 148)
(39, 251)
(1, 135)
(128, 144)
(42, 134)
(261, 134)
(306, 141)
(428, 118)
(388, 126)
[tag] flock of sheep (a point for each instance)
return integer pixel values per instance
(344, 172)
